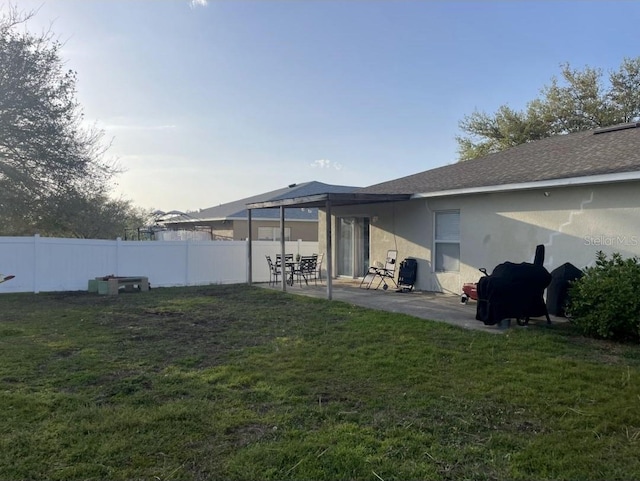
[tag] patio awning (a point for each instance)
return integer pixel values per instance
(335, 199)
(326, 201)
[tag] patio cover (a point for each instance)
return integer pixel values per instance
(326, 201)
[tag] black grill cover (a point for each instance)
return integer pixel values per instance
(558, 290)
(512, 291)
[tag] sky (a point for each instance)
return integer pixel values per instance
(210, 101)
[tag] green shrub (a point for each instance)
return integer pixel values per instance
(605, 302)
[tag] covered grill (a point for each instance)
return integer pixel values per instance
(514, 291)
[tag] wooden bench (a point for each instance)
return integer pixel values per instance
(110, 285)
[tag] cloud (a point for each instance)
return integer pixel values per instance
(198, 3)
(326, 164)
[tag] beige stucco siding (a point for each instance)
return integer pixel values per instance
(238, 229)
(572, 222)
(398, 226)
(300, 230)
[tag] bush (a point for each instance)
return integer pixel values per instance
(605, 302)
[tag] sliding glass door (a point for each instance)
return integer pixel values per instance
(353, 246)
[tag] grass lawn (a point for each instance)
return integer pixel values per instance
(234, 382)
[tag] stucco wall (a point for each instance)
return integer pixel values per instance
(300, 230)
(572, 222)
(222, 230)
(238, 229)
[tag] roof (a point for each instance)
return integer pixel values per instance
(238, 210)
(613, 150)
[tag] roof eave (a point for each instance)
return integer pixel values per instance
(234, 218)
(196, 221)
(320, 200)
(273, 219)
(541, 184)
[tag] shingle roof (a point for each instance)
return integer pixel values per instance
(237, 209)
(588, 153)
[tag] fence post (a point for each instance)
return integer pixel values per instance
(36, 284)
(186, 266)
(118, 242)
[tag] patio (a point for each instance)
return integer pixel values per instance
(425, 305)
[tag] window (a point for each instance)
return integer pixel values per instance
(447, 241)
(273, 233)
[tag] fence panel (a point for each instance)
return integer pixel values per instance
(270, 248)
(17, 257)
(54, 264)
(217, 262)
(67, 264)
(164, 263)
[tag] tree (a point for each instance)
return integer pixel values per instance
(93, 217)
(579, 101)
(45, 152)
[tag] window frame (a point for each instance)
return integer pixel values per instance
(439, 241)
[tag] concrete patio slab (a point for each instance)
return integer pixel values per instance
(425, 305)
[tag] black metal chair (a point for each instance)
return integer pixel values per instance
(274, 271)
(288, 259)
(407, 275)
(287, 268)
(305, 269)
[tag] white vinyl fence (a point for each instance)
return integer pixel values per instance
(53, 264)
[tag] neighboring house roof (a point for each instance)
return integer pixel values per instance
(237, 209)
(604, 154)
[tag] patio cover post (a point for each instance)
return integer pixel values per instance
(283, 264)
(329, 249)
(249, 249)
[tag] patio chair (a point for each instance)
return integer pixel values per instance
(274, 271)
(317, 275)
(288, 264)
(288, 258)
(306, 268)
(386, 272)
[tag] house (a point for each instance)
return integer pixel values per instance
(229, 221)
(576, 194)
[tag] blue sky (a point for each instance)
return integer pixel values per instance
(208, 102)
